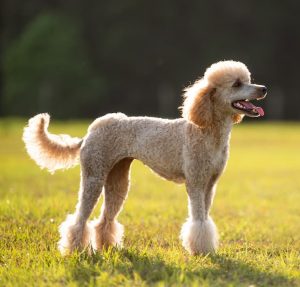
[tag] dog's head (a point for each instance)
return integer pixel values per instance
(224, 91)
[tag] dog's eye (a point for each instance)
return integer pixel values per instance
(237, 84)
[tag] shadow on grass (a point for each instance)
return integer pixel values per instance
(234, 271)
(225, 271)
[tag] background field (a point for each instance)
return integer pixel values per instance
(256, 209)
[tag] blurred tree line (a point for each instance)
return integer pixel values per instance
(86, 58)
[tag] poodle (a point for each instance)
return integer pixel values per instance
(191, 150)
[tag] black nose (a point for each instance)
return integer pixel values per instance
(264, 90)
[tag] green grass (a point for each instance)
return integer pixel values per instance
(257, 211)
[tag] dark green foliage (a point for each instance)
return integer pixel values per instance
(88, 58)
(47, 69)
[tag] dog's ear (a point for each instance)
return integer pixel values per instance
(198, 104)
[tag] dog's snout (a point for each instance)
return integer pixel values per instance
(264, 90)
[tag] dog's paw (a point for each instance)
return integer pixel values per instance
(73, 236)
(106, 234)
(199, 237)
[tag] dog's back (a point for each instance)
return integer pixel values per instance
(158, 143)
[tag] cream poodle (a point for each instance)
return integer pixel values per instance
(191, 150)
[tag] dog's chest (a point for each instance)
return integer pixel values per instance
(219, 158)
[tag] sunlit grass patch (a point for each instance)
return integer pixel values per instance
(257, 211)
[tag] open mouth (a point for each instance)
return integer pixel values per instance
(248, 108)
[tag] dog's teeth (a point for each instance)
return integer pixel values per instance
(239, 105)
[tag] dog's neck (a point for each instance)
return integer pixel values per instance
(221, 127)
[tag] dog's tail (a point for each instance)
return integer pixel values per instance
(47, 150)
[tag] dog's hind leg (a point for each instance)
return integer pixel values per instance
(106, 230)
(74, 231)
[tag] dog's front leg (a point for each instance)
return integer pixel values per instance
(199, 233)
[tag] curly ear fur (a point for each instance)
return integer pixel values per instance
(197, 106)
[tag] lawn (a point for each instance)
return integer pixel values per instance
(257, 211)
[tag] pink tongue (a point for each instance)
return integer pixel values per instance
(250, 106)
(260, 111)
